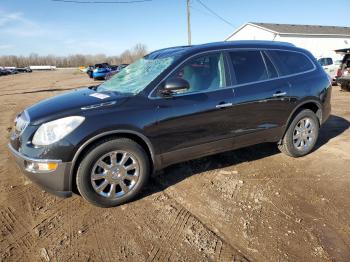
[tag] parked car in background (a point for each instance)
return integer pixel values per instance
(343, 74)
(89, 70)
(115, 70)
(14, 70)
(4, 72)
(331, 66)
(24, 69)
(171, 106)
(7, 71)
(100, 71)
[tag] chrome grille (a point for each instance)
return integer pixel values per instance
(21, 122)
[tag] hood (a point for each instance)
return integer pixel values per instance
(71, 103)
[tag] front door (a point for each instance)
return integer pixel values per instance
(195, 122)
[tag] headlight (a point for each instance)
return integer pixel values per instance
(53, 131)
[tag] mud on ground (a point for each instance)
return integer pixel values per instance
(253, 204)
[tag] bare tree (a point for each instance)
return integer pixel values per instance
(127, 57)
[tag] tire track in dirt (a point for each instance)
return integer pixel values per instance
(172, 236)
(185, 220)
(15, 234)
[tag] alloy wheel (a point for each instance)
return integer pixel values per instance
(115, 174)
(304, 134)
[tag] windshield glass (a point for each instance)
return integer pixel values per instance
(135, 77)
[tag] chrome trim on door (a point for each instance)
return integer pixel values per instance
(279, 94)
(223, 105)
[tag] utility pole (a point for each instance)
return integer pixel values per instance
(188, 23)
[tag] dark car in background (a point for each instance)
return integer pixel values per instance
(8, 71)
(4, 72)
(14, 70)
(115, 70)
(24, 69)
(171, 106)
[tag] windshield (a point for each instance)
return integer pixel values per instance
(135, 77)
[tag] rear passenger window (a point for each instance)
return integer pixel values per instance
(248, 66)
(289, 63)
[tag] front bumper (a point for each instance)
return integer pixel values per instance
(57, 182)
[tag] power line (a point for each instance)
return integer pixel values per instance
(214, 13)
(101, 2)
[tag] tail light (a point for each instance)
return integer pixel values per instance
(339, 73)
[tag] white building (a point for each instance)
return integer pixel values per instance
(320, 40)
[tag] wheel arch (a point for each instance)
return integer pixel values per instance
(139, 138)
(314, 105)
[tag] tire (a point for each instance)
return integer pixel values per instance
(345, 87)
(290, 144)
(96, 171)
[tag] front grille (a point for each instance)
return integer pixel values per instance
(21, 122)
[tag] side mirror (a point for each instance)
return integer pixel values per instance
(174, 85)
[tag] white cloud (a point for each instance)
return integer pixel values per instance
(8, 18)
(16, 24)
(5, 47)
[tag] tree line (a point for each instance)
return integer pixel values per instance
(127, 57)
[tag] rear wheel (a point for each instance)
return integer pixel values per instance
(113, 172)
(345, 87)
(302, 134)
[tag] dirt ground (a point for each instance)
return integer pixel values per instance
(253, 204)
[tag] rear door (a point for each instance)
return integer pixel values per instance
(262, 102)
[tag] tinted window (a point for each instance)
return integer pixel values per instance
(203, 73)
(290, 62)
(248, 66)
(322, 61)
(329, 61)
(271, 70)
(325, 61)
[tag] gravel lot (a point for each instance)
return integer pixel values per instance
(253, 204)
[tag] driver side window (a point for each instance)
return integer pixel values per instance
(203, 73)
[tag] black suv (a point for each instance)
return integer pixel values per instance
(173, 105)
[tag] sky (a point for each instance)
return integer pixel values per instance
(60, 28)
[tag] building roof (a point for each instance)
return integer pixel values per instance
(290, 29)
(304, 29)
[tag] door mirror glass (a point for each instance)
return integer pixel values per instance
(175, 85)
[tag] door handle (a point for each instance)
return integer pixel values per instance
(279, 94)
(223, 105)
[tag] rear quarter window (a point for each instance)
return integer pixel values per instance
(289, 62)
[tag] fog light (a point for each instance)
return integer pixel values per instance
(41, 167)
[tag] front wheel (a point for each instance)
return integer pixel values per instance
(301, 135)
(113, 172)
